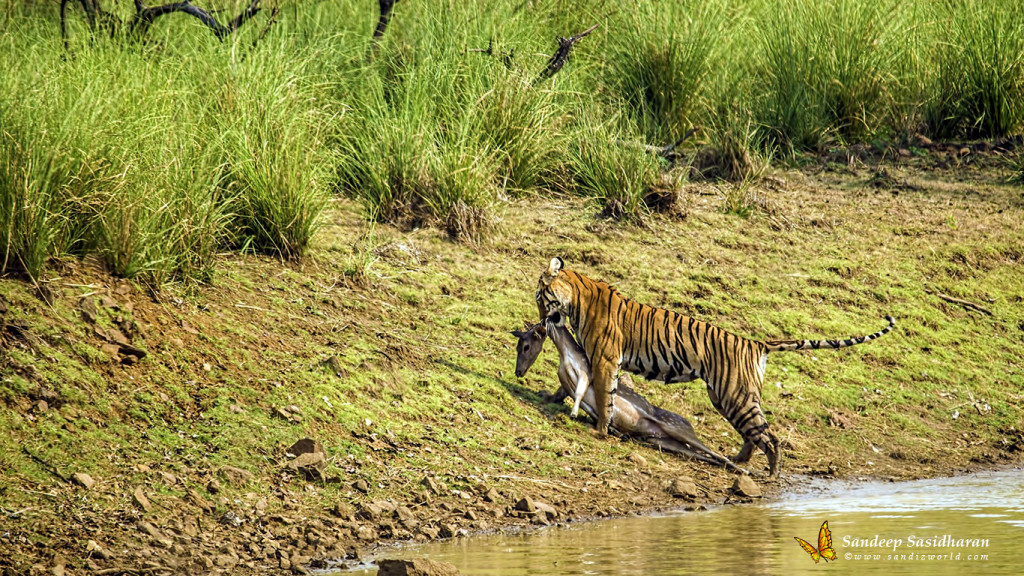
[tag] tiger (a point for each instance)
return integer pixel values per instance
(619, 333)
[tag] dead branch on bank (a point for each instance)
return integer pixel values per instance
(966, 304)
(138, 26)
(561, 56)
(667, 152)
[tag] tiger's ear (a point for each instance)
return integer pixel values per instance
(554, 268)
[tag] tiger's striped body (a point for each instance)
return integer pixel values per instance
(618, 333)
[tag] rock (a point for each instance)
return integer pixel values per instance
(304, 446)
(197, 499)
(370, 511)
(147, 528)
(492, 495)
(98, 551)
(309, 464)
(838, 420)
(447, 531)
(343, 510)
(430, 532)
(526, 505)
(112, 351)
(141, 501)
(638, 460)
(361, 485)
(545, 509)
(118, 337)
(168, 478)
(230, 518)
(366, 533)
(683, 487)
(404, 514)
(417, 567)
(237, 477)
(745, 486)
(83, 480)
(334, 364)
(59, 562)
(213, 486)
(87, 306)
(432, 485)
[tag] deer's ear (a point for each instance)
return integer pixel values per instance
(542, 330)
(518, 333)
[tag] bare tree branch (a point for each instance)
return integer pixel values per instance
(144, 17)
(561, 56)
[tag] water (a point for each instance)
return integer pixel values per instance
(975, 524)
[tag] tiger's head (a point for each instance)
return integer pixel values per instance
(554, 290)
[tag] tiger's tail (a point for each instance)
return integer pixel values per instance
(790, 345)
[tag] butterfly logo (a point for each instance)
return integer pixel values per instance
(824, 549)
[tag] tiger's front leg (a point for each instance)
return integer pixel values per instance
(604, 383)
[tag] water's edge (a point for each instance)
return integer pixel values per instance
(918, 514)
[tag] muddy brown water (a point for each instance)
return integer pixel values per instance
(971, 524)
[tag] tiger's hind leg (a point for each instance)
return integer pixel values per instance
(768, 444)
(748, 419)
(745, 452)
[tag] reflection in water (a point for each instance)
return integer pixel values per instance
(877, 528)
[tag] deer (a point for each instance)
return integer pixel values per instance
(631, 414)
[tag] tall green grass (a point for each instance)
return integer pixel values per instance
(154, 160)
(158, 155)
(979, 64)
(658, 59)
(827, 70)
